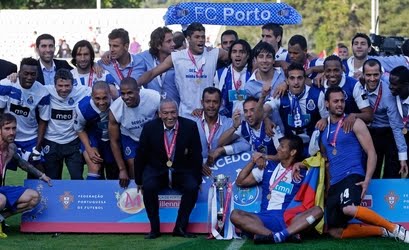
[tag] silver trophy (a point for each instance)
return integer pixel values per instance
(221, 182)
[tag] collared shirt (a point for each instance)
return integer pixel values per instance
(387, 115)
(136, 65)
(48, 74)
(254, 86)
(224, 123)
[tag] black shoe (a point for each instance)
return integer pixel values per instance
(179, 232)
(296, 238)
(263, 239)
(152, 235)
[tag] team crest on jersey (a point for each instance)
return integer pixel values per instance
(30, 100)
(311, 105)
(71, 101)
(128, 151)
(46, 149)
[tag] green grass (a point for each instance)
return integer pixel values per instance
(17, 240)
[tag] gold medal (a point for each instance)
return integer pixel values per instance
(268, 196)
(404, 131)
(198, 80)
(169, 163)
(240, 97)
(334, 151)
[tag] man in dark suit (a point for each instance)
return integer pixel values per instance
(47, 65)
(6, 68)
(170, 154)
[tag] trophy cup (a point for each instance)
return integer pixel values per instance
(220, 182)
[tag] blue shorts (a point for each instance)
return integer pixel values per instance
(12, 195)
(129, 147)
(273, 220)
(104, 148)
(24, 148)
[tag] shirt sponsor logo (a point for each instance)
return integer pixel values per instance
(62, 115)
(19, 110)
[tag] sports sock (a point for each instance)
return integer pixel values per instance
(91, 176)
(281, 236)
(370, 217)
(361, 231)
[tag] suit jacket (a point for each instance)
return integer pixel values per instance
(152, 153)
(6, 68)
(59, 64)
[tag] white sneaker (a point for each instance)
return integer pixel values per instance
(401, 234)
(387, 234)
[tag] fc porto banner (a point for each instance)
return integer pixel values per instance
(232, 14)
(104, 207)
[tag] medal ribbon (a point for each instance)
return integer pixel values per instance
(90, 78)
(211, 133)
(199, 72)
(276, 181)
(257, 141)
(119, 73)
(339, 124)
(169, 150)
(237, 84)
(405, 119)
(378, 98)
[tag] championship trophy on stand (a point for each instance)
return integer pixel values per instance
(221, 181)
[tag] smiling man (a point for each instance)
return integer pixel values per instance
(127, 116)
(47, 65)
(195, 68)
(29, 101)
(91, 125)
(386, 127)
(179, 166)
(301, 108)
(61, 143)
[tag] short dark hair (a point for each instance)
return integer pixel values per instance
(119, 33)
(405, 47)
(372, 62)
(341, 45)
(263, 47)
(131, 82)
(333, 58)
(81, 44)
(64, 74)
(296, 66)
(28, 61)
(178, 39)
(44, 37)
(195, 26)
(101, 85)
(300, 40)
(250, 99)
(246, 47)
(157, 38)
(276, 28)
(212, 90)
(402, 73)
(7, 118)
(229, 32)
(362, 35)
(332, 89)
(295, 142)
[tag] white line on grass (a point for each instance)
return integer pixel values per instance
(236, 244)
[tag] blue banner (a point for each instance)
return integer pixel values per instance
(232, 14)
(104, 207)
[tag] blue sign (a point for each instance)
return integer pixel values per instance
(232, 14)
(104, 207)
